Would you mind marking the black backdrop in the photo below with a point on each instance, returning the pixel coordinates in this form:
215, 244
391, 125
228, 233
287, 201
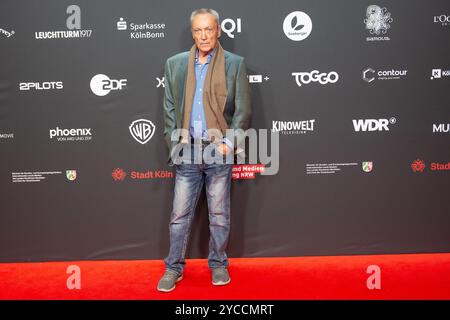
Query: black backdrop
401, 205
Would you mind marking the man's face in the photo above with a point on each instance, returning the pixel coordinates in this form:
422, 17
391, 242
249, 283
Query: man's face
205, 32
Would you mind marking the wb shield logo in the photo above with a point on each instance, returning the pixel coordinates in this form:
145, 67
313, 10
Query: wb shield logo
142, 130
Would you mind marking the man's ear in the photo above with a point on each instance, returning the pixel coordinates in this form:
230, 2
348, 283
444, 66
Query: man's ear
219, 31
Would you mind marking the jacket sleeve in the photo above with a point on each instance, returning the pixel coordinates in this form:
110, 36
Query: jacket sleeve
169, 106
242, 112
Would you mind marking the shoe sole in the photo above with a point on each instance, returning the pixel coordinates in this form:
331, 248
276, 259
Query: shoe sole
221, 283
171, 289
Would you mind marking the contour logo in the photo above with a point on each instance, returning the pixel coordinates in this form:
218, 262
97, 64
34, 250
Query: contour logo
367, 75
101, 84
297, 26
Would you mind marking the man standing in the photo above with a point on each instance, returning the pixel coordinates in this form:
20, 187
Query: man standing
206, 93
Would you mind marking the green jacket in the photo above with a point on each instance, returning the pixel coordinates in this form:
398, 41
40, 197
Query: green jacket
237, 110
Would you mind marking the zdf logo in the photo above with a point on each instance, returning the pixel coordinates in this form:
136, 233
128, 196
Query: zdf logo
101, 84
315, 76
229, 26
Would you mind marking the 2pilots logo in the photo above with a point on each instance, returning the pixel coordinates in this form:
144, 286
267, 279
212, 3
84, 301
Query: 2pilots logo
46, 85
101, 84
297, 26
315, 76
142, 130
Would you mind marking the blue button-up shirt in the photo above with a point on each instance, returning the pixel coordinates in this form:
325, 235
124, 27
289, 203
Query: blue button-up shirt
198, 128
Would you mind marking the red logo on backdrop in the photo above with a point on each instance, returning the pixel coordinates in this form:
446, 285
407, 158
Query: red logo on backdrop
118, 174
418, 165
246, 171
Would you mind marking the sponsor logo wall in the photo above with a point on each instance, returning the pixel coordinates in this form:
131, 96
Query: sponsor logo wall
358, 100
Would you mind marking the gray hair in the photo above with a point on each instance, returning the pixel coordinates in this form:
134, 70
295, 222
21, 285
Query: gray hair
203, 11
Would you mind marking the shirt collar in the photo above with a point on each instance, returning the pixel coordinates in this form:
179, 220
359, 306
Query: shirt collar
209, 55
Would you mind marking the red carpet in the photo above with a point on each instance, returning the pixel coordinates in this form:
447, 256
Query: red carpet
408, 276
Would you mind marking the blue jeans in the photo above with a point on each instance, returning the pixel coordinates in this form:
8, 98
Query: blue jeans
189, 180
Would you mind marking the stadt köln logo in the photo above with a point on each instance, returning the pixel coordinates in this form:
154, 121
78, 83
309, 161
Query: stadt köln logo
418, 165
142, 130
118, 174
367, 166
71, 174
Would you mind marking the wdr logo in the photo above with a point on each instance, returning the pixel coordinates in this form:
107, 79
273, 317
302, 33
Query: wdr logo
373, 124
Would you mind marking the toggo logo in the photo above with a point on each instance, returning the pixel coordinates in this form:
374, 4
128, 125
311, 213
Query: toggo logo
315, 76
101, 84
46, 85
373, 124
